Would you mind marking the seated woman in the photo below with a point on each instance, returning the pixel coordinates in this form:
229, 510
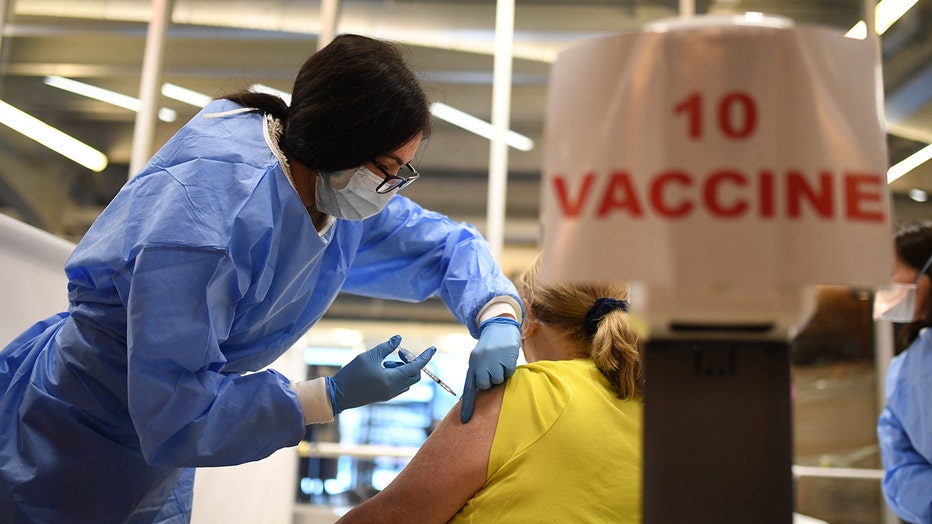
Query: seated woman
558, 442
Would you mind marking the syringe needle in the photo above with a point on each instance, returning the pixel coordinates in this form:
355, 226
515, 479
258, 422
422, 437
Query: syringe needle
407, 356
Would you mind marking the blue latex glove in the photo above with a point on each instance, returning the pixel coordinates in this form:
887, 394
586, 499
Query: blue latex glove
492, 361
365, 380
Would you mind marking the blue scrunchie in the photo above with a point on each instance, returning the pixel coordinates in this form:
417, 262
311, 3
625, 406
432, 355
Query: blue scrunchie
599, 309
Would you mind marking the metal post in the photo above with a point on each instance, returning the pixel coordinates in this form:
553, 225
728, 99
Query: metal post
717, 430
149, 85
883, 354
6, 7
501, 115
687, 8
883, 331
329, 11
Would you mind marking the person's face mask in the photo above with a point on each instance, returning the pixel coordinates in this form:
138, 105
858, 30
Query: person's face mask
350, 194
897, 302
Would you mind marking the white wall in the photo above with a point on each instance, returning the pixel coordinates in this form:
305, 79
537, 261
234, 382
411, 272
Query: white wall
260, 492
32, 276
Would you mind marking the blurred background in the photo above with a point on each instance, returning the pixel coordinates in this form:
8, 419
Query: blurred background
58, 57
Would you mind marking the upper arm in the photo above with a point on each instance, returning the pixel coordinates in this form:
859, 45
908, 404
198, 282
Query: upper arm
405, 242
450, 467
908, 475
180, 307
176, 314
432, 256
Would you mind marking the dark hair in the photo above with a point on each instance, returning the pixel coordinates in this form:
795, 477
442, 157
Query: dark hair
913, 245
614, 346
352, 101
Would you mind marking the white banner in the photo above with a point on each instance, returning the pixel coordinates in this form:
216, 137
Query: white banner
717, 156
32, 276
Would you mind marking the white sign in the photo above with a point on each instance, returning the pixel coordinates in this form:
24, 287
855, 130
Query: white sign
717, 156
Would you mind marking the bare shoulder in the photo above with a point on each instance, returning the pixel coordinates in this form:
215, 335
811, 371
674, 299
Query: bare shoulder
448, 469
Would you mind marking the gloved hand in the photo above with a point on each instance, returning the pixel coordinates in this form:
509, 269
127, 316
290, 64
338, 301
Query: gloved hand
493, 359
365, 380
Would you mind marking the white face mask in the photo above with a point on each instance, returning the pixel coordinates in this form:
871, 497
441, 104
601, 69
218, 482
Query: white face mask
350, 194
895, 302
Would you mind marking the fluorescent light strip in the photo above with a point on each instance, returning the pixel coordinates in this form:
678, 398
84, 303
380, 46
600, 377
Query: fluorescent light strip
441, 111
889, 11
885, 14
909, 163
858, 31
185, 95
105, 95
261, 88
482, 128
52, 138
478, 126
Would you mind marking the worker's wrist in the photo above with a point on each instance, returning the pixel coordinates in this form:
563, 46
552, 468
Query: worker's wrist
499, 306
501, 320
314, 400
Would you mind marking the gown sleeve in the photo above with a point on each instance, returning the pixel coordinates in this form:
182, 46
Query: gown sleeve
907, 483
180, 307
410, 253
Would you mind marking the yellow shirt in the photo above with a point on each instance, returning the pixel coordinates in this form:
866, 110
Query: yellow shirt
566, 450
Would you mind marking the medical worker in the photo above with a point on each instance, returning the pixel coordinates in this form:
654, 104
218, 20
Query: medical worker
212, 261
904, 428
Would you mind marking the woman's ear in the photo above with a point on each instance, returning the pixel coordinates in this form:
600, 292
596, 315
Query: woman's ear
530, 324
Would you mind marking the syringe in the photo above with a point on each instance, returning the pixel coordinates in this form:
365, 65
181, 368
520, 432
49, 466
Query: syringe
407, 356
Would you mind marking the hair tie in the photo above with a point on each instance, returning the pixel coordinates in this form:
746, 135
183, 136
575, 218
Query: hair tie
599, 309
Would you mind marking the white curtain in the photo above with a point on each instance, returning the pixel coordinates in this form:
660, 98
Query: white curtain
260, 492
32, 276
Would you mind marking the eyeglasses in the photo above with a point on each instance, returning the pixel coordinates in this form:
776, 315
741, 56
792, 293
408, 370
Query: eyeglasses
393, 182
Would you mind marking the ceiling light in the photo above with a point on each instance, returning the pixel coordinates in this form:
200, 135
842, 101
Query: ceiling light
918, 195
859, 31
885, 14
52, 138
260, 88
105, 95
889, 11
185, 95
478, 126
909, 163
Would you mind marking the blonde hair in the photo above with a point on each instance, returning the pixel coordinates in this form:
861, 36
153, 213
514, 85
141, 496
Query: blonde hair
613, 347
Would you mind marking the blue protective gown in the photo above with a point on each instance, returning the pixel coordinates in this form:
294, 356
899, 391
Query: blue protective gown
904, 431
205, 266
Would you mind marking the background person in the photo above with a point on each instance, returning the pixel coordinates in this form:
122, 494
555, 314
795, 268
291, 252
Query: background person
225, 248
904, 428
559, 442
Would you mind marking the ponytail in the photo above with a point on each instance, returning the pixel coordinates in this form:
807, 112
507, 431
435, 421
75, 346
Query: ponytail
595, 319
264, 102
